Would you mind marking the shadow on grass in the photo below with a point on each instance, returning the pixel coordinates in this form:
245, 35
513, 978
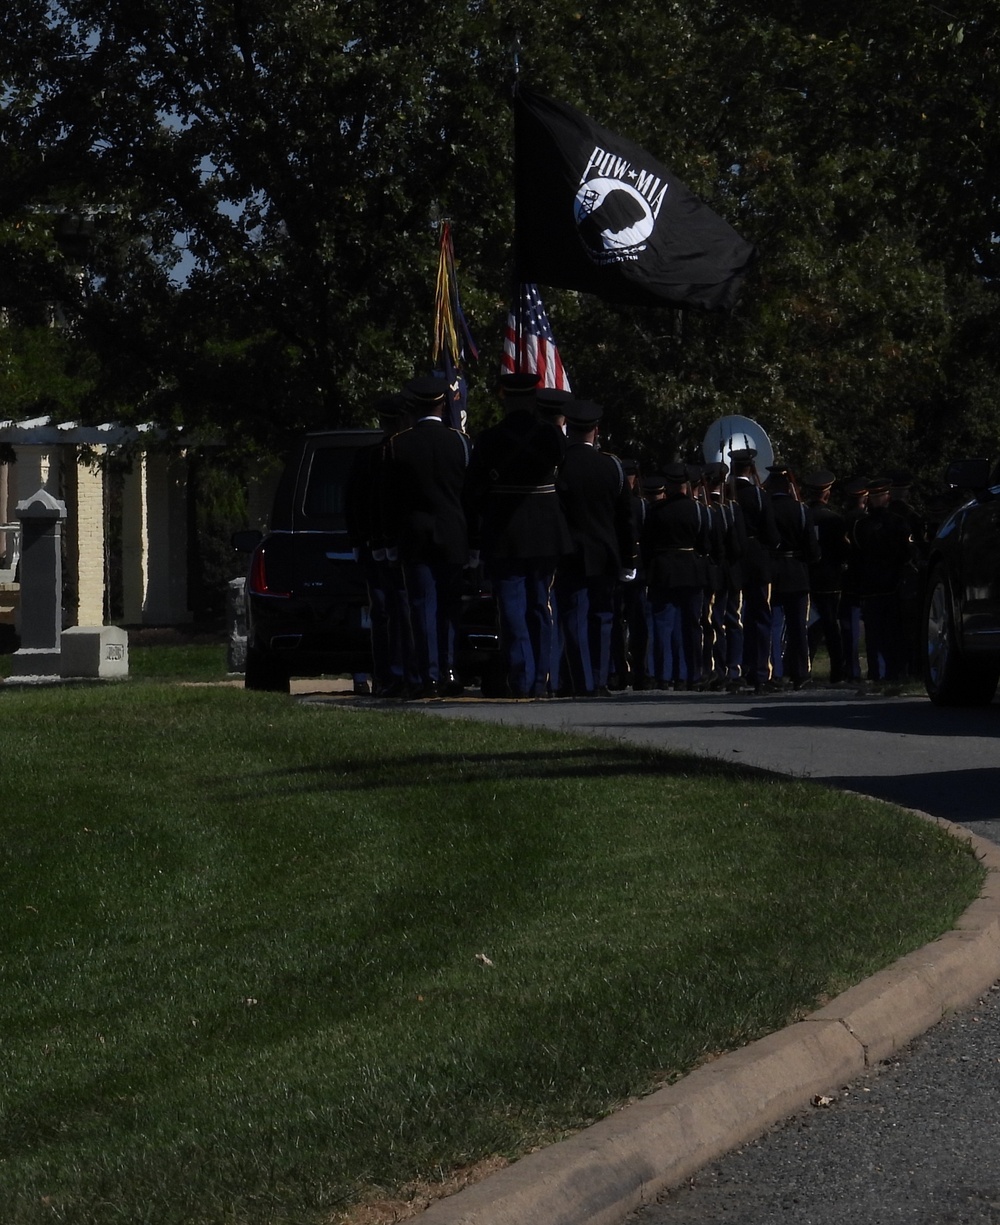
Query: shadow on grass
439, 769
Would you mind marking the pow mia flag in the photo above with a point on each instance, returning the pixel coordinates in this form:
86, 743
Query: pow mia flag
593, 211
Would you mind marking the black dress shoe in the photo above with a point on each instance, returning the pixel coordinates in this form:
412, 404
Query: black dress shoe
419, 693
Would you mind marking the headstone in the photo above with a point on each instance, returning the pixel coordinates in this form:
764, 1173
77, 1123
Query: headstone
99, 651
236, 610
41, 519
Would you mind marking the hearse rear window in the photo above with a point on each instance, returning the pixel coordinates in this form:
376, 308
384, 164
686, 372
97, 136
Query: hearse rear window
327, 484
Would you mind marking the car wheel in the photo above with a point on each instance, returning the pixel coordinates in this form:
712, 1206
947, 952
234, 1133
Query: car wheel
264, 673
950, 678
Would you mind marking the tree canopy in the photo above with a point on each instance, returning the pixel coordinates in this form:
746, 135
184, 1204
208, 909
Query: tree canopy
264, 180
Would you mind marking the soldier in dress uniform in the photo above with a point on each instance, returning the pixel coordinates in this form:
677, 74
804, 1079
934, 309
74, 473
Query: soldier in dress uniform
551, 405
911, 587
722, 624
630, 635
676, 545
426, 529
760, 538
516, 520
856, 504
826, 576
883, 546
392, 637
596, 501
796, 551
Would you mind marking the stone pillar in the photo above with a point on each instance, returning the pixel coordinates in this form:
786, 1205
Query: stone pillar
134, 543
9, 547
41, 519
4, 496
6, 517
90, 543
154, 541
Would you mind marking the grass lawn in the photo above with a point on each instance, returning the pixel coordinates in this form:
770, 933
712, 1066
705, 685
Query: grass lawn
265, 959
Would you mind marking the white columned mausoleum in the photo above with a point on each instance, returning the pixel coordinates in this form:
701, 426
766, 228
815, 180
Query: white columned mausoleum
72, 462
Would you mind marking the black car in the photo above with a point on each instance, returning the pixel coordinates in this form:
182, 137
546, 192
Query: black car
306, 599
962, 595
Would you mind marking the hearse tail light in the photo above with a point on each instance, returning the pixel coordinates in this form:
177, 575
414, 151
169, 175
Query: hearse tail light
257, 580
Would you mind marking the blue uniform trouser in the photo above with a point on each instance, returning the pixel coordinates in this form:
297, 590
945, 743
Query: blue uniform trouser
630, 635
733, 621
522, 587
849, 616
681, 606
756, 632
884, 636
777, 656
586, 614
795, 613
713, 628
435, 597
664, 666
389, 611
826, 627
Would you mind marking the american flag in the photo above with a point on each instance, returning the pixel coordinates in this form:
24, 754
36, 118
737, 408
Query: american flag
528, 344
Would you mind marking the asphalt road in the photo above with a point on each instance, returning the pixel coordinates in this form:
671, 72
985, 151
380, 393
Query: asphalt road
918, 1140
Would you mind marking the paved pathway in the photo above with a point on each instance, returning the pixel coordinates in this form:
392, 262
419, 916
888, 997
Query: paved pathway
918, 1140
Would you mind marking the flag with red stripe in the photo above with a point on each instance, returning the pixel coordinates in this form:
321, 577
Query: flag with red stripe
528, 344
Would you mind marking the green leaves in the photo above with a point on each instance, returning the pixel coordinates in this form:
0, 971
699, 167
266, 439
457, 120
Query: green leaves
298, 153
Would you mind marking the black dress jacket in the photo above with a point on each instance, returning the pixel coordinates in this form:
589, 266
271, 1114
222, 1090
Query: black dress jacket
424, 480
511, 504
677, 543
597, 503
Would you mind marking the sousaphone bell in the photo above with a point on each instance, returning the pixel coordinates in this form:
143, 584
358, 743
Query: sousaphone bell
735, 433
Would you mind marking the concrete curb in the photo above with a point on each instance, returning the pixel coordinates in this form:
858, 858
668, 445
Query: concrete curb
623, 1162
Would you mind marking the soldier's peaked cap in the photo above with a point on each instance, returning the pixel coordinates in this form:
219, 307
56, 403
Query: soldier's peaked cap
391, 404
426, 392
518, 384
552, 399
744, 456
583, 412
818, 478
676, 474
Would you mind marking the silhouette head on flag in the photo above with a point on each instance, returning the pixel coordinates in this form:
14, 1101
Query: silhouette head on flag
595, 212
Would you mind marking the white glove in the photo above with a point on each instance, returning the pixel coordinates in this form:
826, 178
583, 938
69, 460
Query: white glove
392, 553
626, 576
378, 554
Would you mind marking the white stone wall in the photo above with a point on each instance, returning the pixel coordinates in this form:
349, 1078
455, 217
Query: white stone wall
90, 543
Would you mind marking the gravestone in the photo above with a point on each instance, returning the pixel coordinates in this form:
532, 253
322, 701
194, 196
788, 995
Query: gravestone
41, 517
